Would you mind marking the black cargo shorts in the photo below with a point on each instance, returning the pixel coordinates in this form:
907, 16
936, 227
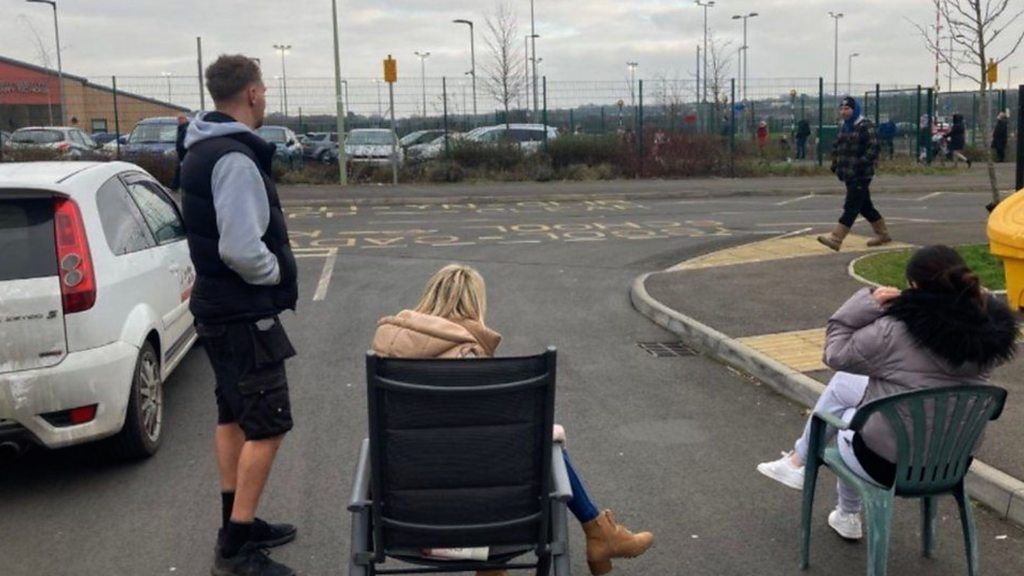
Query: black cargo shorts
248, 363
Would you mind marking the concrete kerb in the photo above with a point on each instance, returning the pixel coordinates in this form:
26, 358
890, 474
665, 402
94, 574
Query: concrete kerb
999, 491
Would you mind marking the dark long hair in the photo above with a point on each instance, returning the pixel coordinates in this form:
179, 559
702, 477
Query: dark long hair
939, 269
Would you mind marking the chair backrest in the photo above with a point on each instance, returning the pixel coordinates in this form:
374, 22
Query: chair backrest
936, 431
460, 451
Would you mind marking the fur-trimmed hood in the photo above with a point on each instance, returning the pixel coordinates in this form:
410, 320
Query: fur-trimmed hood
957, 331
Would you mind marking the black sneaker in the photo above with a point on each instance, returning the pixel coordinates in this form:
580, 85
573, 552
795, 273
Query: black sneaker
270, 535
251, 560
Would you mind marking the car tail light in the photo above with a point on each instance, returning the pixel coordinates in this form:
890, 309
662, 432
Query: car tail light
83, 414
74, 261
63, 147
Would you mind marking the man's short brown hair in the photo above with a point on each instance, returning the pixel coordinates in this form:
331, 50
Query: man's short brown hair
229, 75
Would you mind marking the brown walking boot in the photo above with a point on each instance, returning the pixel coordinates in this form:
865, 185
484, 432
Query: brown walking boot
881, 233
606, 540
834, 239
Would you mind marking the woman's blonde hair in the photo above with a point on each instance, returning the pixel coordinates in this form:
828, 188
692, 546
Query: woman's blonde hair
455, 292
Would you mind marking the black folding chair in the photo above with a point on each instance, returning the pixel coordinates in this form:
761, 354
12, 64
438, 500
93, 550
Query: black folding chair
460, 455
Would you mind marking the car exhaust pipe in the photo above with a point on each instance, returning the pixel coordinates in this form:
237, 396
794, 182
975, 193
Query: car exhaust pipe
11, 450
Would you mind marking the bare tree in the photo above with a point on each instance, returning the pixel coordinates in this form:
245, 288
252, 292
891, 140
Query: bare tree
975, 25
718, 75
504, 72
43, 54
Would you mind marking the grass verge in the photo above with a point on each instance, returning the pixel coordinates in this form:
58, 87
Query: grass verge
888, 268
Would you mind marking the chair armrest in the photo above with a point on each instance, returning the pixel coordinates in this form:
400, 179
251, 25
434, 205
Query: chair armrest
360, 499
561, 489
831, 420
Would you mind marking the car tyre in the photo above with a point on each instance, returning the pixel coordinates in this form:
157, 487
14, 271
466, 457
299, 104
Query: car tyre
143, 422
325, 157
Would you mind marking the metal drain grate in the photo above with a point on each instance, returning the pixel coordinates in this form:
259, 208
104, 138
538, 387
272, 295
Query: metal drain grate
666, 349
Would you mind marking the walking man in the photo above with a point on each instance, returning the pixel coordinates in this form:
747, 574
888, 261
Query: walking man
853, 160
245, 277
999, 137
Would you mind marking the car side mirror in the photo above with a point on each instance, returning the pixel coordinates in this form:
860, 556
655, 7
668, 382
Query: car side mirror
291, 142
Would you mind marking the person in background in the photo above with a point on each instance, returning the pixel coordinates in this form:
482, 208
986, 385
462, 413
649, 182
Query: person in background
887, 134
958, 141
803, 131
762, 139
854, 155
180, 150
448, 322
1000, 135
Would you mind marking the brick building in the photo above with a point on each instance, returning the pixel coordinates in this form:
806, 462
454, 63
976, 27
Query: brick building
30, 96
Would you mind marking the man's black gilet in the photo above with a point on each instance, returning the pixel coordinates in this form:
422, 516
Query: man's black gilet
220, 295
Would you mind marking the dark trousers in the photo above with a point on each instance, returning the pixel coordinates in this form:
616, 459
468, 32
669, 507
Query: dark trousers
858, 201
801, 148
1000, 153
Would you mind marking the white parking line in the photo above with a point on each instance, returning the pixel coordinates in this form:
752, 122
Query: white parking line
784, 202
325, 277
929, 196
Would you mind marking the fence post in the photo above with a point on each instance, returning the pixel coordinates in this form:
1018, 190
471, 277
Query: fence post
545, 117
821, 120
444, 92
117, 119
199, 63
640, 126
1020, 137
732, 127
974, 116
931, 122
878, 104
572, 122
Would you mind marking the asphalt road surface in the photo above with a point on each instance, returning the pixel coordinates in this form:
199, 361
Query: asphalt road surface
670, 444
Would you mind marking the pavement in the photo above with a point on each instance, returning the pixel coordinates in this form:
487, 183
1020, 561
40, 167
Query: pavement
761, 308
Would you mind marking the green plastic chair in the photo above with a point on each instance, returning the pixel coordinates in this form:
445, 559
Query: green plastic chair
928, 465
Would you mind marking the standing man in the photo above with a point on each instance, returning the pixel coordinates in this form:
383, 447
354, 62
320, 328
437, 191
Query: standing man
999, 137
854, 155
245, 277
887, 132
803, 131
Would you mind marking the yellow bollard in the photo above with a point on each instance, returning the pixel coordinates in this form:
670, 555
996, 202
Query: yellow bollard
1006, 241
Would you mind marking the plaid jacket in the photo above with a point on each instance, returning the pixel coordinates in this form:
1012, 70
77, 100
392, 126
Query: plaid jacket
855, 154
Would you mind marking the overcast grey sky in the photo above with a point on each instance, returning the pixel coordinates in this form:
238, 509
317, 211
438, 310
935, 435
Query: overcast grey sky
580, 39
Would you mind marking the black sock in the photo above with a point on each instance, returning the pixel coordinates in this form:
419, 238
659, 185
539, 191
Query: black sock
236, 534
227, 502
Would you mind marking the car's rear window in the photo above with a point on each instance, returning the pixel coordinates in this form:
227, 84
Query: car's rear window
37, 137
154, 134
26, 239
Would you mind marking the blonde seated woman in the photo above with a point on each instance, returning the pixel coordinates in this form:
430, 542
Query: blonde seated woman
449, 323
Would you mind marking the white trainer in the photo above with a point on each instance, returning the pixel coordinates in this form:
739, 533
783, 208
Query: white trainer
783, 471
847, 525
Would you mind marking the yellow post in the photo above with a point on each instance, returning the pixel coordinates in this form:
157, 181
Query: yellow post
1006, 241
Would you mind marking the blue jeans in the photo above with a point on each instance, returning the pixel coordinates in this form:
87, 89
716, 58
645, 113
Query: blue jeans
581, 507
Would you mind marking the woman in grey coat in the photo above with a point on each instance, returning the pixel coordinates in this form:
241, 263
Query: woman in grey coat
944, 330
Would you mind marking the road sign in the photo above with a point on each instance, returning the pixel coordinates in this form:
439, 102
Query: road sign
993, 72
390, 70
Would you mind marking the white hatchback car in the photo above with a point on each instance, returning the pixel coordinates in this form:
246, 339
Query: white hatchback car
95, 282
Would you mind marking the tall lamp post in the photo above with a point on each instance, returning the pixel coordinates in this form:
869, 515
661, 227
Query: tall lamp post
705, 5
342, 157
423, 77
60, 66
849, 71
283, 49
745, 48
526, 63
472, 57
632, 83
835, 66
533, 37
168, 75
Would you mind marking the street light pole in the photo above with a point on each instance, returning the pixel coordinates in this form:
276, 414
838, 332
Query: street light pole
705, 5
632, 83
423, 77
472, 57
745, 48
533, 37
60, 66
339, 103
167, 75
849, 71
380, 106
835, 67
283, 49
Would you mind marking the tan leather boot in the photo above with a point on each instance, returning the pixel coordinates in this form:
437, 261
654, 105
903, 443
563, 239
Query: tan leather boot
834, 239
606, 540
881, 233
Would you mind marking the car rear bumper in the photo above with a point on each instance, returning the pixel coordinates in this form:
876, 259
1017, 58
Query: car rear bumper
100, 376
